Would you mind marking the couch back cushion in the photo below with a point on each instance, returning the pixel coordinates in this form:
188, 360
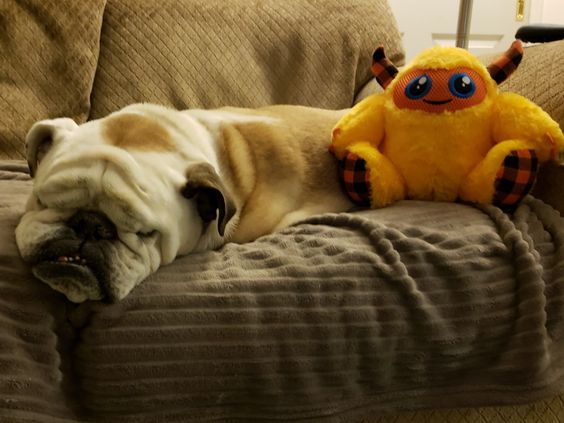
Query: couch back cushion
211, 53
49, 55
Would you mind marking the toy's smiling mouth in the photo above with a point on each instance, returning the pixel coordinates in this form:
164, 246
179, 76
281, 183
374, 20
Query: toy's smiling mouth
438, 102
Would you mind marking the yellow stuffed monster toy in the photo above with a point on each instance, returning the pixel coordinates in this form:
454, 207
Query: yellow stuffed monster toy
443, 131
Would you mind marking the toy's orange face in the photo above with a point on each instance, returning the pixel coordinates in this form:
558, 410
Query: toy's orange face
439, 90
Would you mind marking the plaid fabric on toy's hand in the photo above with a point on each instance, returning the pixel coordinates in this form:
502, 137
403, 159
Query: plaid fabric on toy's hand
515, 178
355, 178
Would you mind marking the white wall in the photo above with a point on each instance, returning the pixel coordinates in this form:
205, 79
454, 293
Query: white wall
547, 11
424, 23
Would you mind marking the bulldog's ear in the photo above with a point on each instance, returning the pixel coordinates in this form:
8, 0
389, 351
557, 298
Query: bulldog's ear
204, 185
41, 138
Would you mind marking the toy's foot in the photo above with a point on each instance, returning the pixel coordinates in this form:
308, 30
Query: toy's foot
370, 179
503, 178
515, 178
355, 178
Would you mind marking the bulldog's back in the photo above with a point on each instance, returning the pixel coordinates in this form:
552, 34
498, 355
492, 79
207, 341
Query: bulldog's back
280, 163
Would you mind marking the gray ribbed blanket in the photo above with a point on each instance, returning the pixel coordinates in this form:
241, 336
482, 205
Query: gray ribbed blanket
338, 318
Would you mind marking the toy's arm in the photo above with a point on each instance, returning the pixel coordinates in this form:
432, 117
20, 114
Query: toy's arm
364, 123
517, 118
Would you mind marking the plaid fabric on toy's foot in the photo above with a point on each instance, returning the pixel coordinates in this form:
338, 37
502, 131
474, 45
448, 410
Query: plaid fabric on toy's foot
515, 178
355, 179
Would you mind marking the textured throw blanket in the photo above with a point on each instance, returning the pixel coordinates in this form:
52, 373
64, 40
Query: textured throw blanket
339, 318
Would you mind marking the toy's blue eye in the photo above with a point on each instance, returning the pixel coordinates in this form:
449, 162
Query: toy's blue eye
418, 87
461, 85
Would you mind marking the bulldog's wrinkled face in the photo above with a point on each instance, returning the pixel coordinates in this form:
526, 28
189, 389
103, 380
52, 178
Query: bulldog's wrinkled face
115, 198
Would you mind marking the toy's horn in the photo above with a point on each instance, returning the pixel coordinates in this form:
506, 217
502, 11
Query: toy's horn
501, 68
383, 69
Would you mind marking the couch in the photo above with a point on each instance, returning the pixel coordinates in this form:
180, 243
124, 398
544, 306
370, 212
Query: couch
420, 312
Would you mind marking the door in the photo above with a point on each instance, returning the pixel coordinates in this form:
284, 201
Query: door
493, 23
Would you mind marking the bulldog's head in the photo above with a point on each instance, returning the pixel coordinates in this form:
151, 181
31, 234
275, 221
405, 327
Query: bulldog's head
115, 198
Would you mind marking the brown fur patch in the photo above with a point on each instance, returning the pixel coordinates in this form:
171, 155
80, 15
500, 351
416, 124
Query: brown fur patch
133, 131
281, 170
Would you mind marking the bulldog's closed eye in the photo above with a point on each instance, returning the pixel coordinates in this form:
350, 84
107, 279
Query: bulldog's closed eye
205, 187
148, 234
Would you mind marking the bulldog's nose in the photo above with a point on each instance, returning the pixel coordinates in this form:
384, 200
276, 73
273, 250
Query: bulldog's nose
92, 225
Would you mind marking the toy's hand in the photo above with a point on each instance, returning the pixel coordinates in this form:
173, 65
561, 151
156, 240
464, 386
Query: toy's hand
504, 176
369, 177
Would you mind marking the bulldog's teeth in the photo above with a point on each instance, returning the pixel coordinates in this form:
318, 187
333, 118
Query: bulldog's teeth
73, 259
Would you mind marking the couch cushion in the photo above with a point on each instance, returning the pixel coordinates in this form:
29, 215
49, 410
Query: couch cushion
202, 53
49, 53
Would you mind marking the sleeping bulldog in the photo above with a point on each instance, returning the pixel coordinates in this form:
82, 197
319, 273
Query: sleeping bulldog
115, 198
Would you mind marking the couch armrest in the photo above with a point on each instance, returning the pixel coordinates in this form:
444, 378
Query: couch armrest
540, 78
540, 33
550, 186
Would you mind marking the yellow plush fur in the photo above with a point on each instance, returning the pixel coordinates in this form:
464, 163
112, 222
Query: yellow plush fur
443, 156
